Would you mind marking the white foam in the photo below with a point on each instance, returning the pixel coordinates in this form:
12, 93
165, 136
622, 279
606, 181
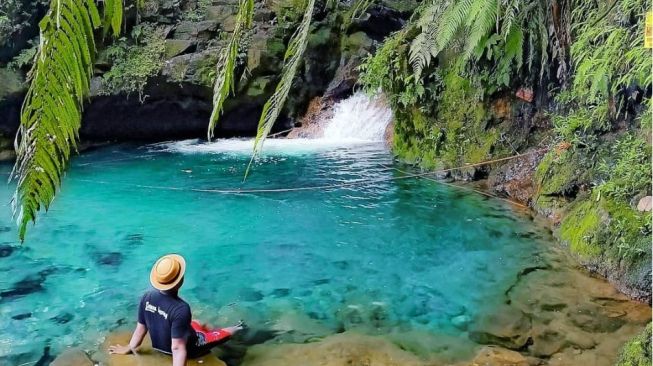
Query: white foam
246, 146
360, 117
358, 120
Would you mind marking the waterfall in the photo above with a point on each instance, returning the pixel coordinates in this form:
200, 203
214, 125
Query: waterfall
358, 117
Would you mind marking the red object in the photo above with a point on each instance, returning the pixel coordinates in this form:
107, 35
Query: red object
525, 94
210, 335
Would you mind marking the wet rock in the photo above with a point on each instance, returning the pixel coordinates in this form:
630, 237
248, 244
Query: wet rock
591, 319
497, 356
296, 327
515, 178
72, 357
508, 327
337, 350
547, 343
6, 250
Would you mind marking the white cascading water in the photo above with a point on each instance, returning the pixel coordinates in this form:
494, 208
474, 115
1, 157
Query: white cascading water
358, 117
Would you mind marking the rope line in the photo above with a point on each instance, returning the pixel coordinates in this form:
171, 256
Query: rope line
324, 187
487, 194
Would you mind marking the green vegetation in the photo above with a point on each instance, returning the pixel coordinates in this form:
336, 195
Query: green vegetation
224, 82
467, 56
67, 52
637, 352
134, 62
292, 58
628, 172
198, 12
52, 111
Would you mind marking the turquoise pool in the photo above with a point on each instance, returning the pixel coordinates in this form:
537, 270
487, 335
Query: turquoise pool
392, 255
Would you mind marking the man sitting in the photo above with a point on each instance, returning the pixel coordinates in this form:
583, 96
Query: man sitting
167, 317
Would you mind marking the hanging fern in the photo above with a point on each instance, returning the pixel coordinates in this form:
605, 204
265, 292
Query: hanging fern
292, 59
52, 110
224, 81
472, 23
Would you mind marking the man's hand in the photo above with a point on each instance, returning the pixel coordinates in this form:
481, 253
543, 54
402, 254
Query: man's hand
119, 350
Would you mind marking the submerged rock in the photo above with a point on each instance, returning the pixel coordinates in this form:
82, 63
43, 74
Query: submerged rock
497, 356
338, 350
6, 250
72, 357
507, 326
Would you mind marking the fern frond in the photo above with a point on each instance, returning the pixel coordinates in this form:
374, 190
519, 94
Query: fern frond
422, 46
52, 110
224, 81
481, 18
292, 59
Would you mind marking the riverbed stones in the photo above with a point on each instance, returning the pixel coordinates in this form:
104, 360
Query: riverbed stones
592, 319
507, 326
338, 350
497, 356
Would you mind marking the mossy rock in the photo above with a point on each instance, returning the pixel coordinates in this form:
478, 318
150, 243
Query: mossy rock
602, 226
176, 47
637, 352
558, 174
581, 227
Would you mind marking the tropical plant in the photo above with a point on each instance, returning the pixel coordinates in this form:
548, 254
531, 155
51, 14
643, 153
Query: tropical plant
52, 109
224, 81
608, 53
500, 30
134, 62
292, 59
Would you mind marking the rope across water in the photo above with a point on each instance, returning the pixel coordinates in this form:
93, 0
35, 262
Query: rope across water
426, 175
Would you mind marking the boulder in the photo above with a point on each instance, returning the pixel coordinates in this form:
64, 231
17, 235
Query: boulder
645, 204
515, 178
497, 356
338, 350
547, 343
196, 31
176, 47
507, 326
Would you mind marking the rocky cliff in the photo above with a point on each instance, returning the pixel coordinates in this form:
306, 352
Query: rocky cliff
155, 82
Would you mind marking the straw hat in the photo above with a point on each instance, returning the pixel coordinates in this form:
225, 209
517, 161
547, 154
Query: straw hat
168, 271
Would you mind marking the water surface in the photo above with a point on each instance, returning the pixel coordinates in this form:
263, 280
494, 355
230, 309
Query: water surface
388, 256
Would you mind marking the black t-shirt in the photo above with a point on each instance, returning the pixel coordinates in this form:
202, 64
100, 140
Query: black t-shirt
166, 316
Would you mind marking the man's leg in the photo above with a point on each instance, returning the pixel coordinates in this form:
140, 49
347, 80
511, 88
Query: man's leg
212, 337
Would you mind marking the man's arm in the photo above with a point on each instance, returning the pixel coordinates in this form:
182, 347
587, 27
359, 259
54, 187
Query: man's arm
137, 339
178, 346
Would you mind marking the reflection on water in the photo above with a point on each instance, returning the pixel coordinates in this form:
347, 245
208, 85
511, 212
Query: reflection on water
393, 257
